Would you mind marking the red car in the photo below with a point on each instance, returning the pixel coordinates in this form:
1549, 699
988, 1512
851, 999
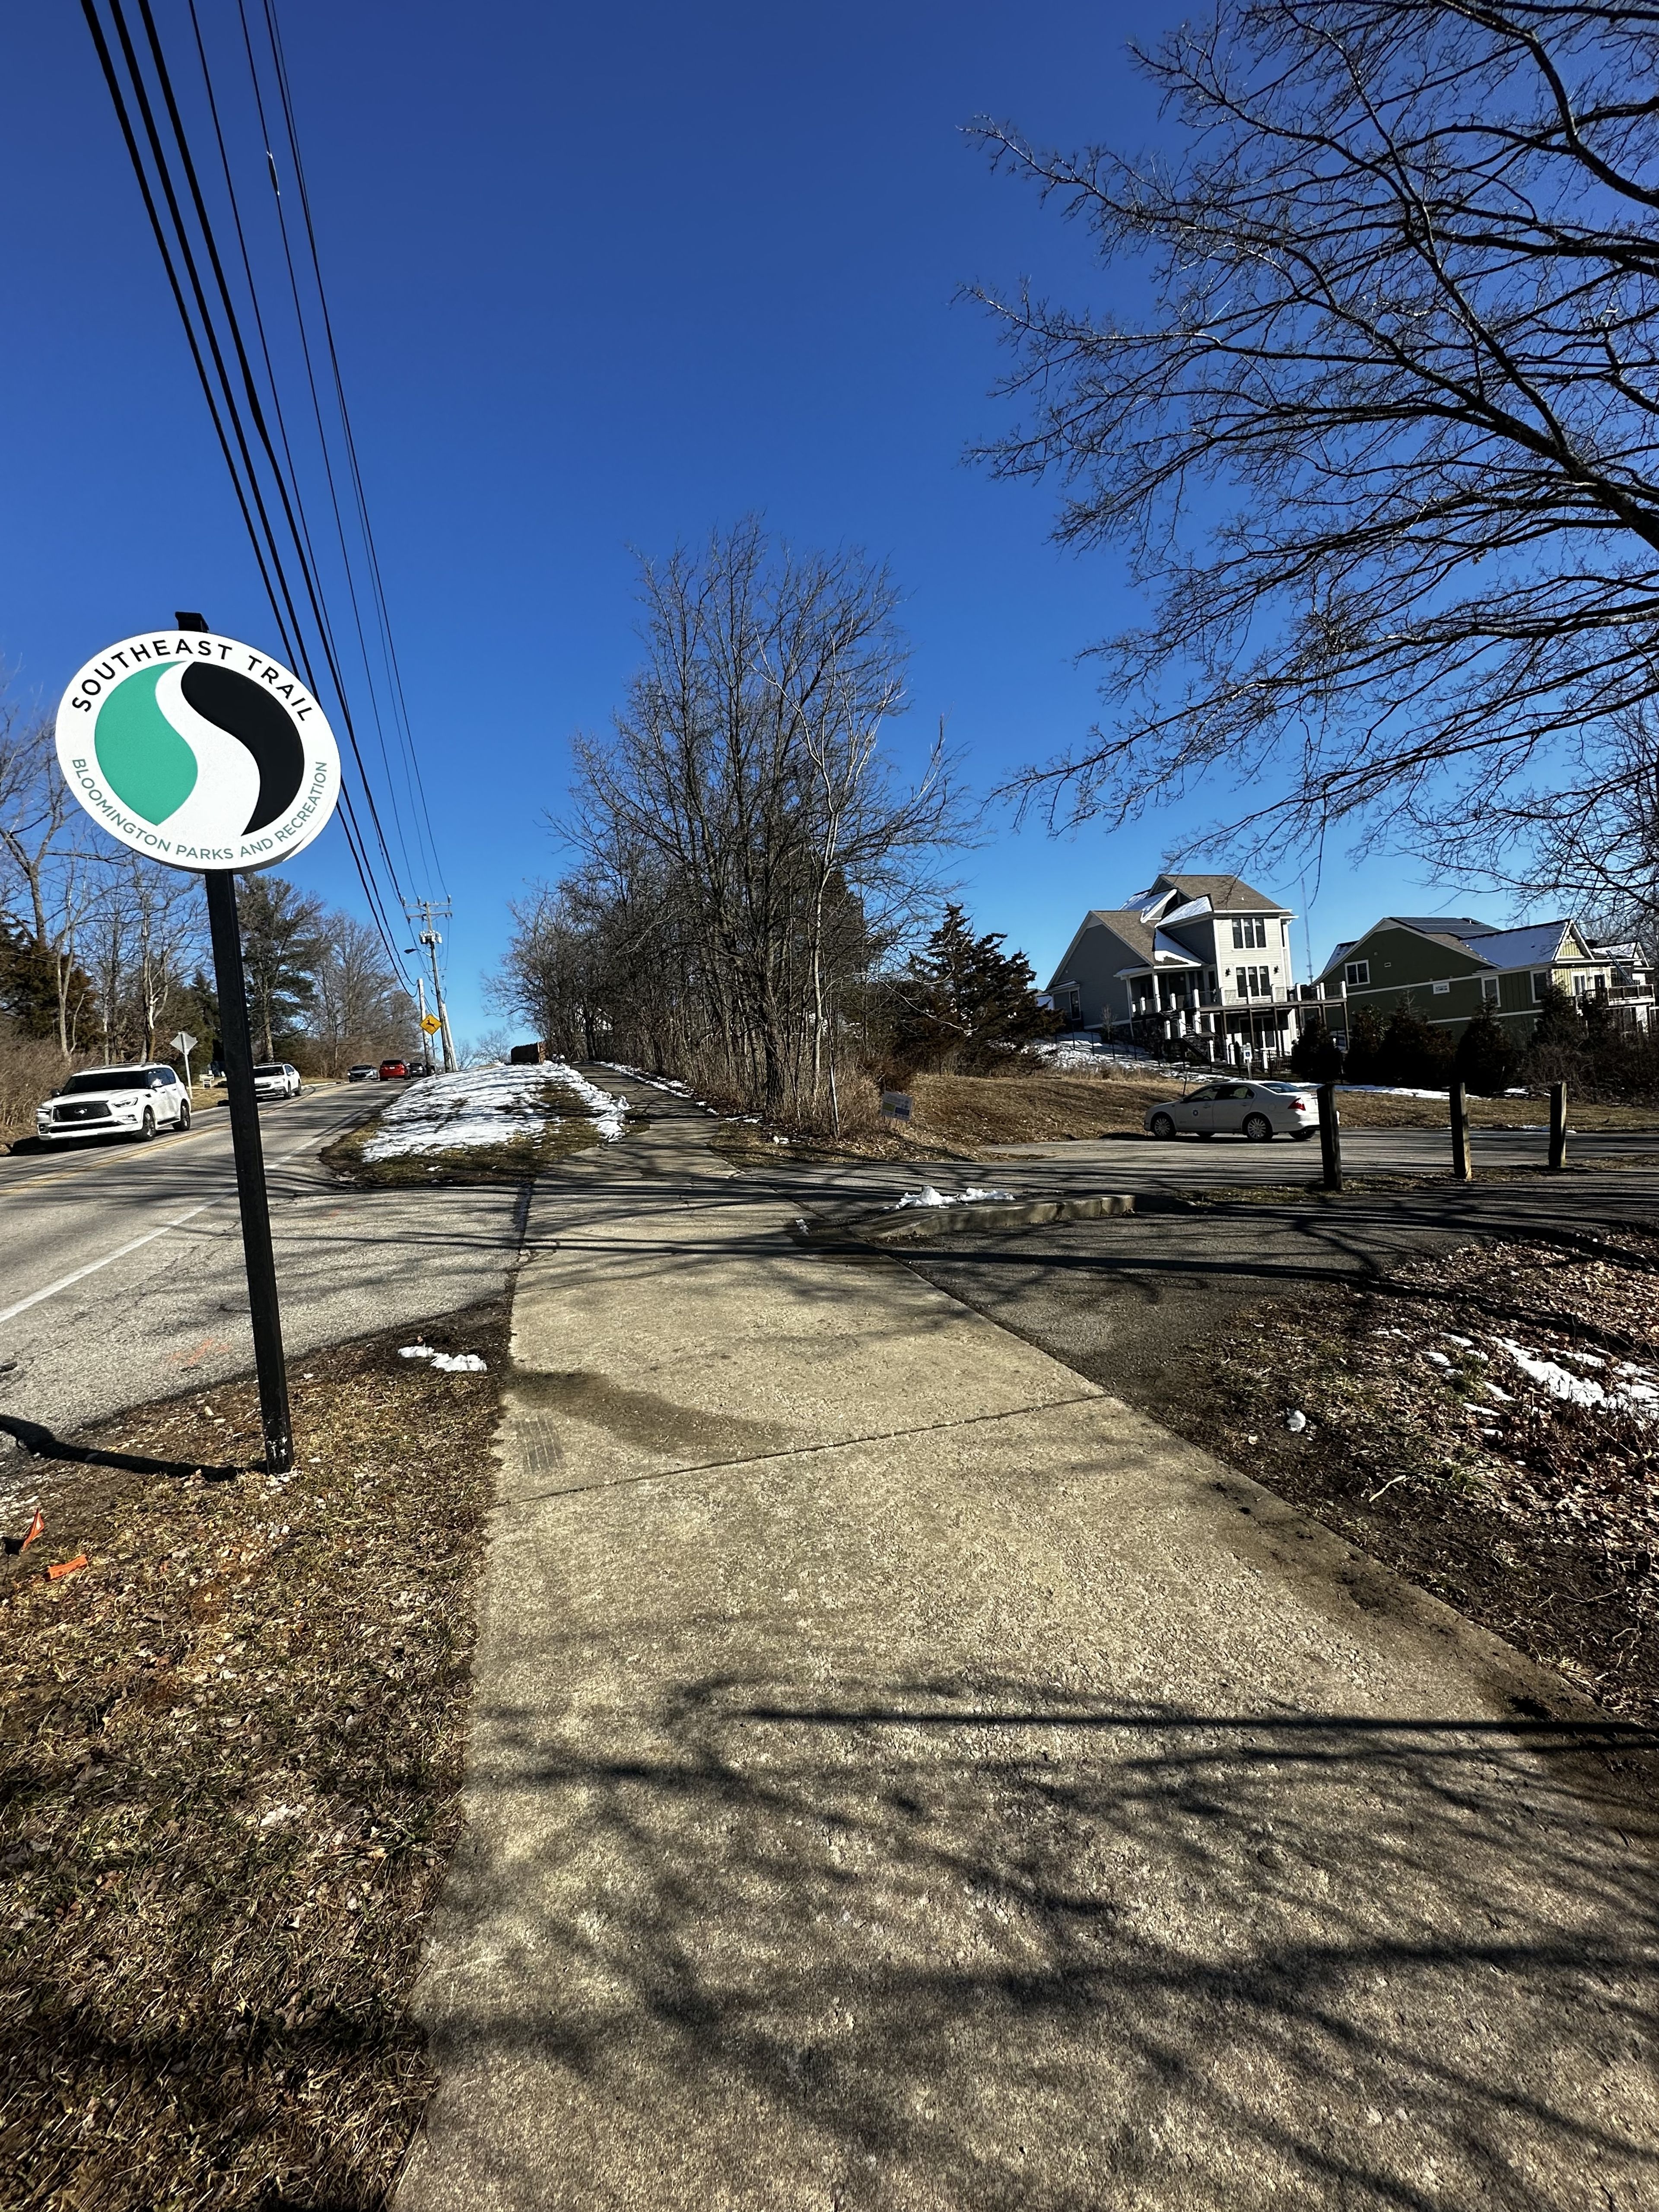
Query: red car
389, 1069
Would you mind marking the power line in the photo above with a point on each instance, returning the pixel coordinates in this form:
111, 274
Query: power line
296, 531
226, 408
413, 755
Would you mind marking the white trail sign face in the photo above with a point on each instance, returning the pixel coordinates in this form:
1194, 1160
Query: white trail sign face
198, 750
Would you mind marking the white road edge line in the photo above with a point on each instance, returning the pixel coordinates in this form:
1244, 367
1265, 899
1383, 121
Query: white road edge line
67, 1282
9, 1313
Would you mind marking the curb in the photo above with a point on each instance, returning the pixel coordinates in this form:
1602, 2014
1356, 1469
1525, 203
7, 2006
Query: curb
914, 1222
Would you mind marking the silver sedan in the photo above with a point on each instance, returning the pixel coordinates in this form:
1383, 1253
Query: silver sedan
1260, 1111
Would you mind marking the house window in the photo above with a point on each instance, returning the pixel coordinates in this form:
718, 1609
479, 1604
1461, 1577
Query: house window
1253, 983
1489, 989
1357, 974
1250, 930
1541, 983
1440, 989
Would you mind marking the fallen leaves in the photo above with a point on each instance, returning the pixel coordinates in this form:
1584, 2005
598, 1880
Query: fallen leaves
1531, 1503
252, 1712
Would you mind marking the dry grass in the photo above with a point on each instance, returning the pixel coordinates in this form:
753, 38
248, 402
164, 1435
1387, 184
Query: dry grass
31, 1069
1534, 1516
1365, 1110
967, 1111
231, 1751
958, 1116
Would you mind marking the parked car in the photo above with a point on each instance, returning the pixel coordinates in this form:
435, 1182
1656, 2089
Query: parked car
274, 1078
391, 1069
1260, 1111
363, 1073
115, 1102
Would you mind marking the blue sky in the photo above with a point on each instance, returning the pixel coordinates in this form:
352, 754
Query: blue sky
601, 279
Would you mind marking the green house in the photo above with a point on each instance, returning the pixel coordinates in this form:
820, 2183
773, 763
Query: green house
1449, 965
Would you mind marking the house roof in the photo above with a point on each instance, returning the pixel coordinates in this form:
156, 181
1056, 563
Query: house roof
1127, 926
1529, 947
1165, 953
1445, 925
1225, 894
1522, 948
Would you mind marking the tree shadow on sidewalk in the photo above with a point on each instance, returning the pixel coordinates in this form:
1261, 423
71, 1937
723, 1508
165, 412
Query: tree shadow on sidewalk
788, 1937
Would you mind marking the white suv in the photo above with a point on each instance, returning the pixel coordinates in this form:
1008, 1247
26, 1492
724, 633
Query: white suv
274, 1078
115, 1102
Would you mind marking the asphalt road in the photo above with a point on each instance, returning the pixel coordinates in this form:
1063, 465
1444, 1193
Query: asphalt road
121, 1276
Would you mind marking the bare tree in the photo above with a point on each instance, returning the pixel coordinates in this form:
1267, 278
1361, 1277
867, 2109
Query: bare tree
45, 876
739, 825
746, 853
1384, 447
144, 931
359, 1010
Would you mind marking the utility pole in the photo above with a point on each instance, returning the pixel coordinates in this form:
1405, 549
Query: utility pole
426, 912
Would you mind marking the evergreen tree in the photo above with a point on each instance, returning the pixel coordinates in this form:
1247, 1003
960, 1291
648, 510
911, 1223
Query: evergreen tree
1365, 1055
1413, 1055
282, 946
964, 1003
1555, 1048
29, 984
1487, 1058
1314, 1055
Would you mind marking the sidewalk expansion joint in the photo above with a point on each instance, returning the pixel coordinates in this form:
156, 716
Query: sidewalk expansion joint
802, 1451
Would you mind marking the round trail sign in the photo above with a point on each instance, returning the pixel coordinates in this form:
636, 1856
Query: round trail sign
198, 750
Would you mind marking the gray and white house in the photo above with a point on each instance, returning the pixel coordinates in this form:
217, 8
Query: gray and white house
1195, 961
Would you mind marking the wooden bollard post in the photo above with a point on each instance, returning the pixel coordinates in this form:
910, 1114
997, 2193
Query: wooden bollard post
1558, 1125
1460, 1129
1330, 1137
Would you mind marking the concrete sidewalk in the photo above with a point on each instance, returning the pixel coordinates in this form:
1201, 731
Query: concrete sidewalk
903, 1776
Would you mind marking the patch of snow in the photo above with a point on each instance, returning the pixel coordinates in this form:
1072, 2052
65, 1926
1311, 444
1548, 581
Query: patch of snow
1295, 1422
482, 1106
928, 1196
448, 1362
1463, 1343
1639, 1398
1069, 1052
1391, 1090
1438, 1358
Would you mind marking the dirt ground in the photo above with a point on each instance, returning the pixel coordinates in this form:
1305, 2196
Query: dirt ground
231, 1745
1487, 1423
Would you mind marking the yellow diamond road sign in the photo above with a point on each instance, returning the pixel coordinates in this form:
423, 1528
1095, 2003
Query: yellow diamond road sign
431, 1024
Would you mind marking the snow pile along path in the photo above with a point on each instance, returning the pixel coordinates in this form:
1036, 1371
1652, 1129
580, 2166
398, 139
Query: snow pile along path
928, 1196
485, 1106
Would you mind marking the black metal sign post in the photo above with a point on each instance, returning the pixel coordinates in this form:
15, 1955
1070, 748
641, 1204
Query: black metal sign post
252, 1197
